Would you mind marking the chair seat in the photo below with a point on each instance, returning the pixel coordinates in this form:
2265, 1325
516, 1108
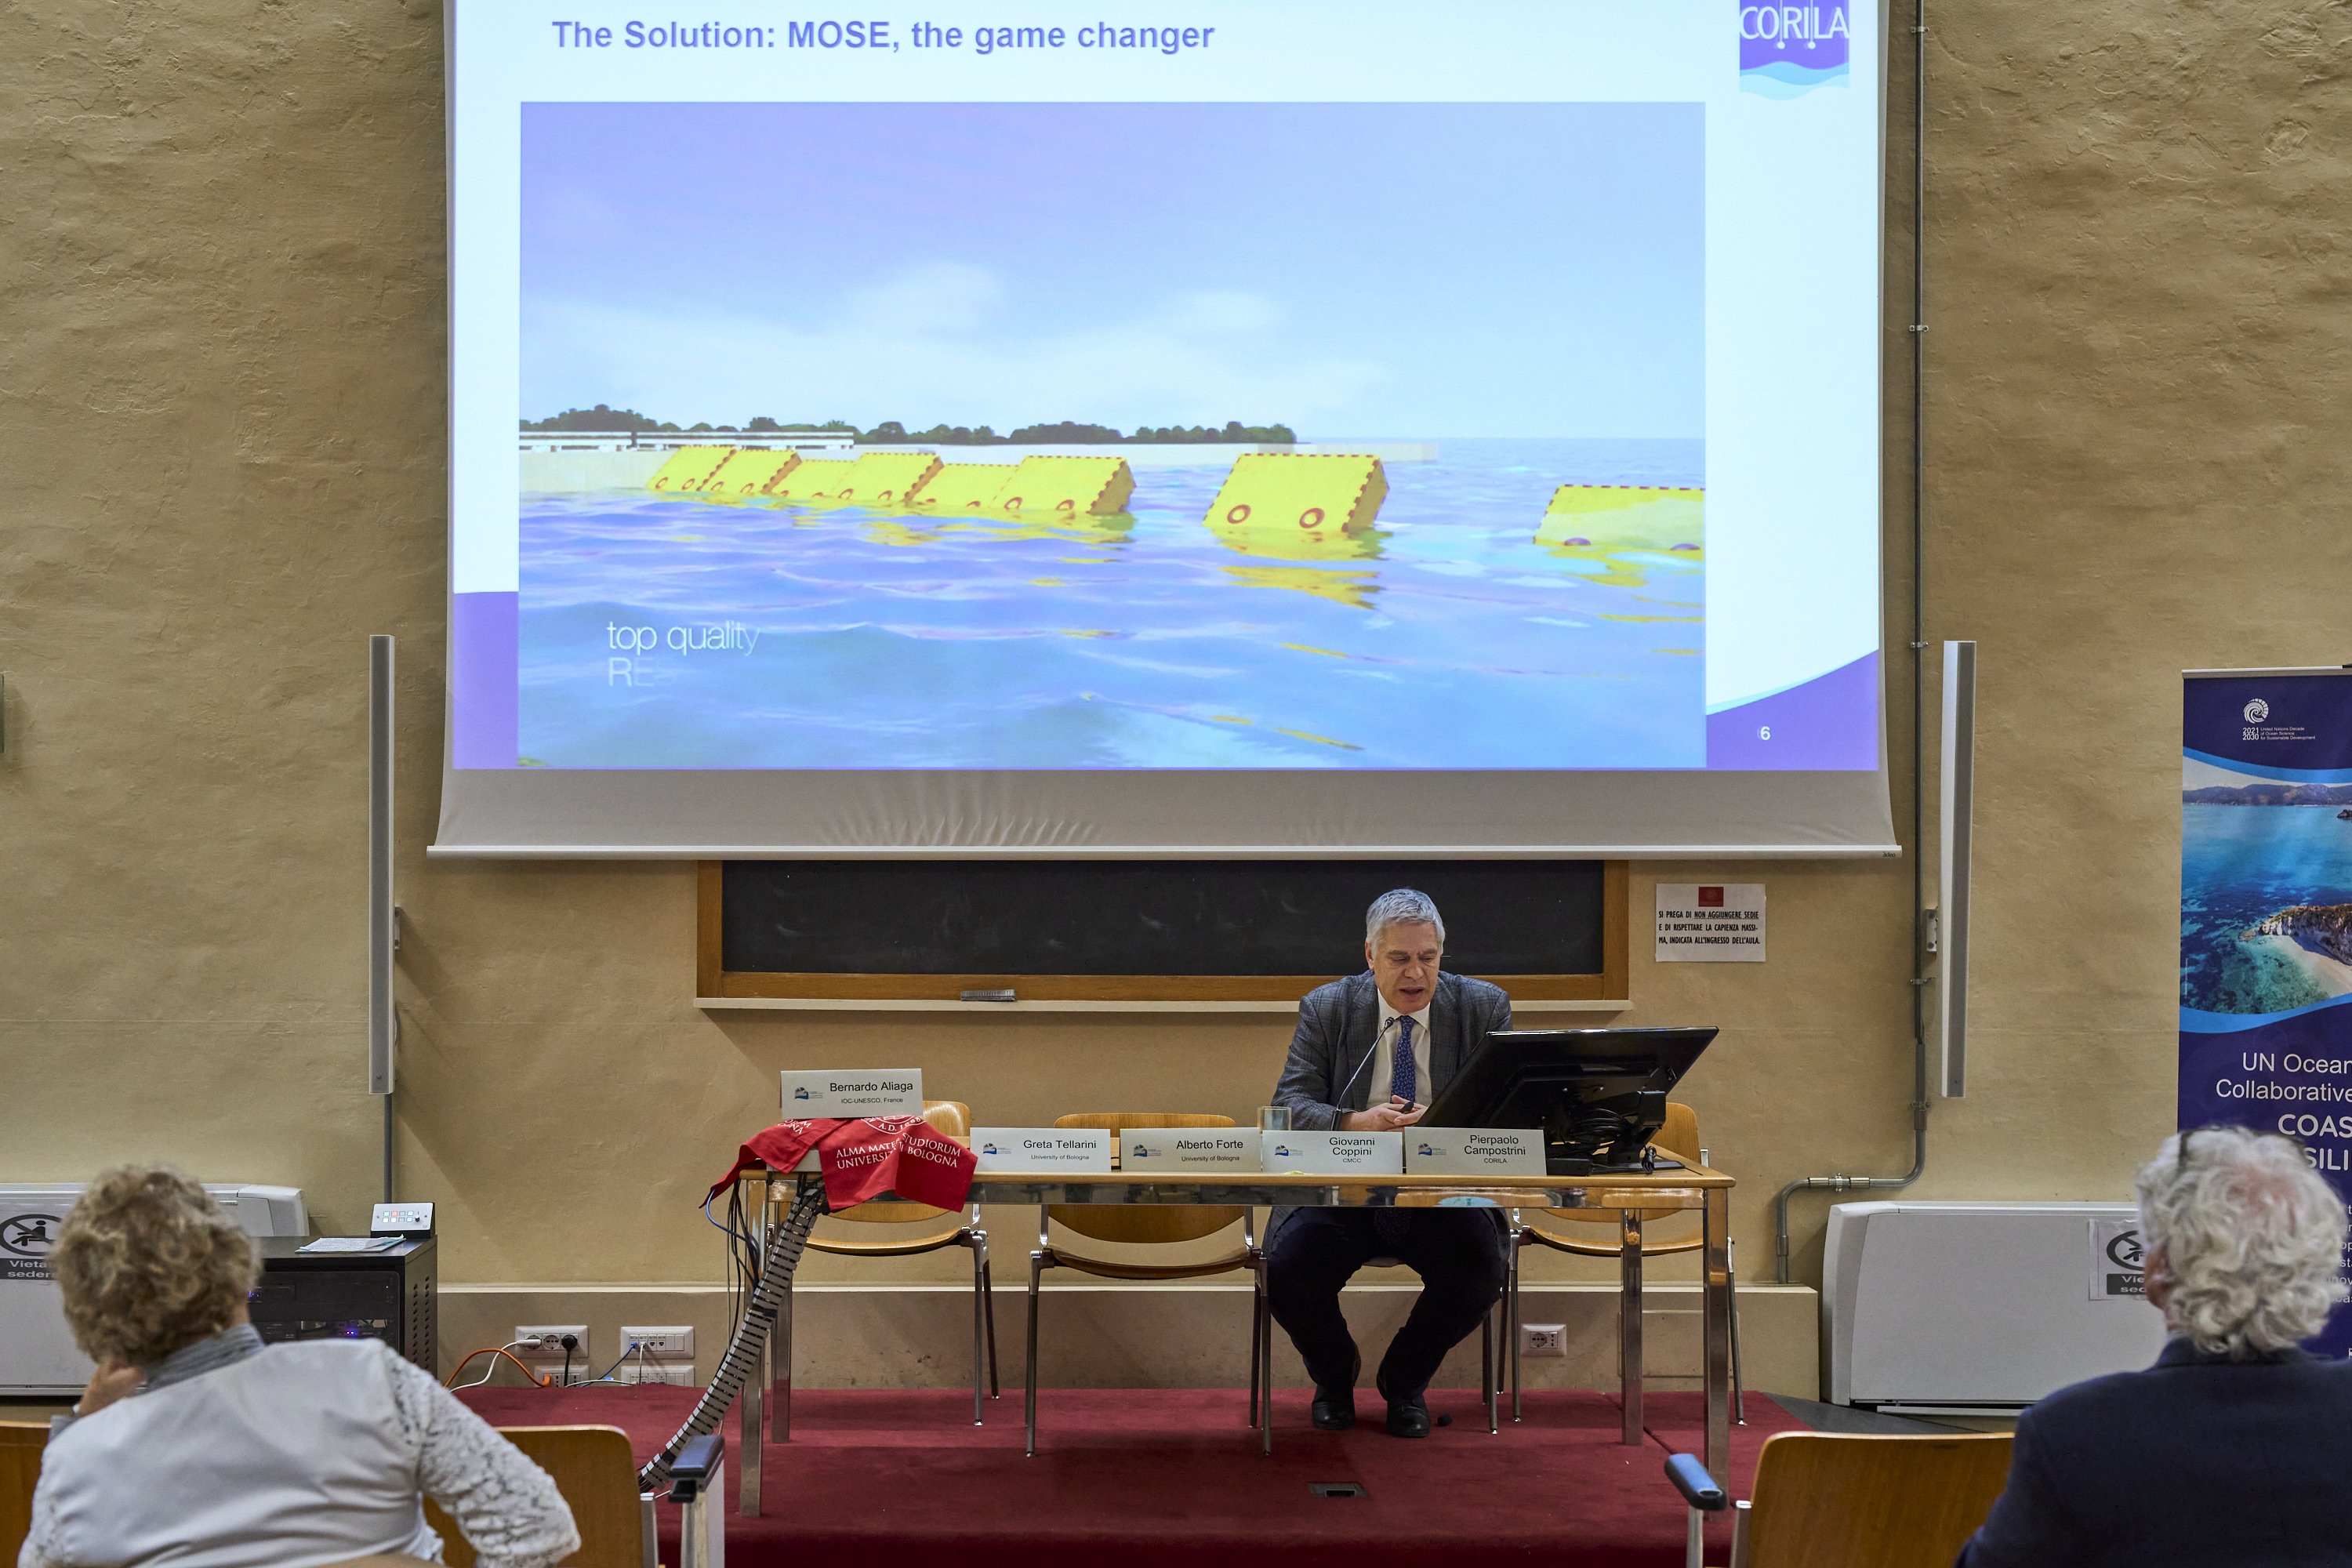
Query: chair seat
888, 1248
1107, 1269
1558, 1243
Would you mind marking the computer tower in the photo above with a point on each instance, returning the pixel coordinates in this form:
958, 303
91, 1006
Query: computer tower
389, 1296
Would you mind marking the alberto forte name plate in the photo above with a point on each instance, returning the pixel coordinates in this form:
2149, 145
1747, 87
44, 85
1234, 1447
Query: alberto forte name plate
1472, 1151
1188, 1148
1333, 1153
882, 1092
1018, 1149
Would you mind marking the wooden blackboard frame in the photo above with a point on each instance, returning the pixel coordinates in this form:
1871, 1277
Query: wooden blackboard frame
716, 985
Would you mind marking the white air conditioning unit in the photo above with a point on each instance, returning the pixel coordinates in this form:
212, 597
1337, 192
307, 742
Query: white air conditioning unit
1952, 1307
37, 1356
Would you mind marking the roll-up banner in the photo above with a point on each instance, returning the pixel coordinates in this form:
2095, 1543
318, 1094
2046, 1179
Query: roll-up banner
2266, 913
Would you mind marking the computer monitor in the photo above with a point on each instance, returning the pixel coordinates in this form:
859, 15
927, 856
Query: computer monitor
1599, 1095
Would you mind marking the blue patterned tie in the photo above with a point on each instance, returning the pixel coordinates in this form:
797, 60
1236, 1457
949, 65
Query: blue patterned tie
1402, 1078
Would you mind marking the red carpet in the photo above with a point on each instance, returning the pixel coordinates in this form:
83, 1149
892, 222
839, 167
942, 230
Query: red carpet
1137, 1477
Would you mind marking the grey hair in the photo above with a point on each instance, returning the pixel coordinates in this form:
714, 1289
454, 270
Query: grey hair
2253, 1239
1401, 906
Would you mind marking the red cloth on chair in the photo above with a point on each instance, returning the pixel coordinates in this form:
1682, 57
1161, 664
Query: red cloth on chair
864, 1157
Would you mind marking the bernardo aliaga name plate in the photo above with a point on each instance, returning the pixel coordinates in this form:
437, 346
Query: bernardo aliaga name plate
1333, 1153
1472, 1151
886, 1091
1188, 1148
1060, 1148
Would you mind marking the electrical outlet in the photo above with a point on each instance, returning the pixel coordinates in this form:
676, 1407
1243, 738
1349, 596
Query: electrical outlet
550, 1345
1543, 1339
663, 1343
634, 1371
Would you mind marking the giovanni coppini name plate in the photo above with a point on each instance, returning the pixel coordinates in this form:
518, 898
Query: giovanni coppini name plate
1472, 1151
1333, 1153
886, 1091
1019, 1149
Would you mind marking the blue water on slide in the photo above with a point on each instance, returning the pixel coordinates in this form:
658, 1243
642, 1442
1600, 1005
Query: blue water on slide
2239, 864
837, 637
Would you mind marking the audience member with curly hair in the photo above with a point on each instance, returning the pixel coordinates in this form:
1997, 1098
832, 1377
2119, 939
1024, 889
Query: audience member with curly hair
2232, 1451
197, 1445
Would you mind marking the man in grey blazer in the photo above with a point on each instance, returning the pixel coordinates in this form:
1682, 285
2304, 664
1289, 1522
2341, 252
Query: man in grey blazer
1370, 1052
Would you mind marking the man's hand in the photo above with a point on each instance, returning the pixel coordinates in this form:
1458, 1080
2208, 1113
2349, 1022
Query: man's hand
1389, 1118
110, 1382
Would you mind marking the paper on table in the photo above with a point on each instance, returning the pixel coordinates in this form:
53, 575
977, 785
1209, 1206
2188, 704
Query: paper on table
352, 1244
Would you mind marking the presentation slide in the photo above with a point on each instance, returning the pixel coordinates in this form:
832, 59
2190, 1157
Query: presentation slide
1414, 392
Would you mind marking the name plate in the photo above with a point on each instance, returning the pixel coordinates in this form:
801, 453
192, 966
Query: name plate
1333, 1153
1023, 1149
1472, 1151
888, 1091
1188, 1148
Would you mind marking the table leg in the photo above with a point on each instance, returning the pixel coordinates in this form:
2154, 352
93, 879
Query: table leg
1715, 1288
1629, 1327
748, 1503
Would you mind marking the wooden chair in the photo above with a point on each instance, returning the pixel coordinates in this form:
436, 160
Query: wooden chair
598, 1476
953, 1119
1826, 1500
21, 1443
1677, 1138
1153, 1225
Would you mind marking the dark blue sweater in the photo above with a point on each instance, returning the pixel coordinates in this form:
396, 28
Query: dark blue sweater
2198, 1461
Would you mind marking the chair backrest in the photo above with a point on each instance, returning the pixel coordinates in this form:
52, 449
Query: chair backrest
1678, 1136
21, 1443
1143, 1223
1826, 1500
598, 1476
950, 1117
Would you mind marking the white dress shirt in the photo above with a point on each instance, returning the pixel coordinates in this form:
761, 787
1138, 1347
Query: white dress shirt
292, 1457
1383, 1068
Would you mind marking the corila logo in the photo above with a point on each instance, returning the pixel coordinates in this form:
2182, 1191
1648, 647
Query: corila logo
1282, 1150
989, 1147
1140, 1153
2257, 710
1425, 1149
799, 1091
1786, 51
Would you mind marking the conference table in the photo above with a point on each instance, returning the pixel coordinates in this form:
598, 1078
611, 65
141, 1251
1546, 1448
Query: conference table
784, 1197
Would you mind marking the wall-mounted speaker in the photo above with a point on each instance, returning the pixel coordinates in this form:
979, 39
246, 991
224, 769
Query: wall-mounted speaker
1957, 824
384, 930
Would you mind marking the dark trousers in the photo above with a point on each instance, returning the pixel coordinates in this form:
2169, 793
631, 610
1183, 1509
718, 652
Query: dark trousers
1458, 1253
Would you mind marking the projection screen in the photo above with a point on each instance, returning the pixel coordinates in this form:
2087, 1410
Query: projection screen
1273, 429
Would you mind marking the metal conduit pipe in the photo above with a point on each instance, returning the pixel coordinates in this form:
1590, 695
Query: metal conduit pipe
780, 1255
1919, 980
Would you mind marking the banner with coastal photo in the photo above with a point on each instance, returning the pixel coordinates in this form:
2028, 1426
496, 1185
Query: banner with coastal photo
2266, 913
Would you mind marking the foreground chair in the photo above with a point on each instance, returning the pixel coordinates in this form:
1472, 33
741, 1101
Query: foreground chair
21, 1443
598, 1476
953, 1119
1678, 1138
1152, 1224
1826, 1500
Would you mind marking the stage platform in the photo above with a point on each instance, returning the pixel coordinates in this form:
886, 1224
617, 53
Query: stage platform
1170, 1476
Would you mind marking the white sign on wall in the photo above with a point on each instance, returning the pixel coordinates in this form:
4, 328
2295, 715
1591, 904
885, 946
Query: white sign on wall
1710, 922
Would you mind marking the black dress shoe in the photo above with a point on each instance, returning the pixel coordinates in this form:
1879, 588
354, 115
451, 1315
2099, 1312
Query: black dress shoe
1334, 1410
1409, 1417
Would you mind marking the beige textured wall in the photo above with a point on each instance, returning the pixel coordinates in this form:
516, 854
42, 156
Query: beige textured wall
221, 406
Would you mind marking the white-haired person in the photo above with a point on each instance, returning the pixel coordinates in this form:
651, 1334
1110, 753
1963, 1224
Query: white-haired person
1368, 1055
2236, 1446
197, 1446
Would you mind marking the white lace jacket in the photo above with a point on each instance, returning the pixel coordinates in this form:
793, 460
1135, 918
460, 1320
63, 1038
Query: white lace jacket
296, 1456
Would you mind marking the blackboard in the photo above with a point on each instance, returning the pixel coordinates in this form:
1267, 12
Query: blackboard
1141, 929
